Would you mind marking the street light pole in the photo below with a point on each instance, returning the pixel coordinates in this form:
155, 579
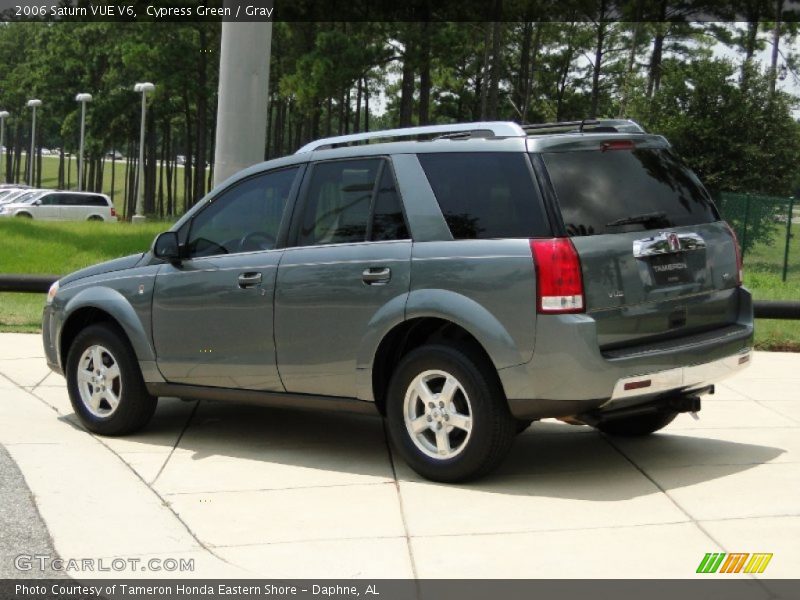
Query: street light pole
83, 99
32, 104
139, 216
3, 115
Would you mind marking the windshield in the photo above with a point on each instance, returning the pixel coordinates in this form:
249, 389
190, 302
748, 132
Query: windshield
27, 198
626, 190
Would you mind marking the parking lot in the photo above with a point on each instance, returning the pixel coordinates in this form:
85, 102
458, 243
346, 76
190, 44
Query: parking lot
254, 492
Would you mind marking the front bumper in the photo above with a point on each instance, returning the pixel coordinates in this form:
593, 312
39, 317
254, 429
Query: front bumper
49, 339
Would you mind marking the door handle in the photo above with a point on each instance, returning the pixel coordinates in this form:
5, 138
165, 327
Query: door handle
376, 275
248, 280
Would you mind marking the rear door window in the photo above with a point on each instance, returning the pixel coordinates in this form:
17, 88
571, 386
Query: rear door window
486, 195
626, 190
351, 201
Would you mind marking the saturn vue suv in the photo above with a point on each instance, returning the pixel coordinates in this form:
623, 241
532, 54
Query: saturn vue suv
460, 280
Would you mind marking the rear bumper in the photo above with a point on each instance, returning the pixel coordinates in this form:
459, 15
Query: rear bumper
569, 374
686, 379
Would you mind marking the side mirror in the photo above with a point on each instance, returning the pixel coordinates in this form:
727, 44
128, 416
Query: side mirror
166, 246
37, 202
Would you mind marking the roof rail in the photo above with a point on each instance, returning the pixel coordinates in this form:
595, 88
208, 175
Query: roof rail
586, 125
493, 128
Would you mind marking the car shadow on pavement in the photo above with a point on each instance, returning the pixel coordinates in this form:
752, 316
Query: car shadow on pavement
550, 459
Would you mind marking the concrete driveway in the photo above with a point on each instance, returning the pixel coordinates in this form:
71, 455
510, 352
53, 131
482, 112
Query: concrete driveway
254, 492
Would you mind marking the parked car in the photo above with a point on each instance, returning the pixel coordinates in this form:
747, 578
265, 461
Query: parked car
115, 155
60, 206
12, 194
462, 287
180, 159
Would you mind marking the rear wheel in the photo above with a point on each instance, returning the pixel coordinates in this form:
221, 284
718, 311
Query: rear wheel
447, 414
94, 218
105, 384
23, 216
639, 425
523, 424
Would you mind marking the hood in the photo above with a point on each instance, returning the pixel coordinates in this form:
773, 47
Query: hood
118, 264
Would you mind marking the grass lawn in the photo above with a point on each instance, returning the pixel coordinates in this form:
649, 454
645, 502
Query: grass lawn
59, 248
763, 266
56, 249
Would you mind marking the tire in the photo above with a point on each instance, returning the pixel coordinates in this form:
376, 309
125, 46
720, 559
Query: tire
92, 396
522, 424
637, 426
23, 216
476, 423
94, 218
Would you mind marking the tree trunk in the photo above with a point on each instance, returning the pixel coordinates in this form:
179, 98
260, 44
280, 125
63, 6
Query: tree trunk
210, 174
188, 188
366, 104
170, 168
201, 121
113, 174
654, 71
347, 112
522, 80
357, 115
493, 106
425, 75
38, 163
61, 169
407, 86
482, 82
776, 40
98, 186
598, 65
631, 64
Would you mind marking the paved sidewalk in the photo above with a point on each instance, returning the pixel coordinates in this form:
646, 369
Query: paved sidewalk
248, 491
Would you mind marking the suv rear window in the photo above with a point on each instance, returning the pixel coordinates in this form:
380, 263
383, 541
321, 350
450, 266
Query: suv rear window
486, 195
596, 189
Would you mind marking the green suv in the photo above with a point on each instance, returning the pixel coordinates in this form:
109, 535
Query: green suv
461, 281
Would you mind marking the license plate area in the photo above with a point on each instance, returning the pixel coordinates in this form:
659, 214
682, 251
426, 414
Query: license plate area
670, 269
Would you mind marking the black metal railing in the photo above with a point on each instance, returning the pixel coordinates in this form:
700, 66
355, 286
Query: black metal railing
39, 284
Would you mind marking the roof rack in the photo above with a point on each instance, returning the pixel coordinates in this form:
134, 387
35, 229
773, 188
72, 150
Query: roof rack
586, 125
480, 129
497, 129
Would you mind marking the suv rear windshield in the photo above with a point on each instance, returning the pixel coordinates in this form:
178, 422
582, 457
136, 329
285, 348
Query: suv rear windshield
626, 190
486, 194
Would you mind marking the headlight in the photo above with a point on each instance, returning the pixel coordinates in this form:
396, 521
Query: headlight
51, 293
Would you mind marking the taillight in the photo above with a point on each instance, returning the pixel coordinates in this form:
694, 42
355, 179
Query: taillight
113, 212
559, 283
739, 264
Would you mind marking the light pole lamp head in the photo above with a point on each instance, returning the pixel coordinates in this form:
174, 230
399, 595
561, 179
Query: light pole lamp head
4, 114
144, 87
83, 98
34, 103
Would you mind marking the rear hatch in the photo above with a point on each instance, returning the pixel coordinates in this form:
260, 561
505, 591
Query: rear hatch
657, 261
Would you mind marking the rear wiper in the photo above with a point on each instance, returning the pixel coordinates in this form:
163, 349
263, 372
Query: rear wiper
636, 219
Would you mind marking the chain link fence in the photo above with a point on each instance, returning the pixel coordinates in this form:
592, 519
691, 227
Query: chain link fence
765, 226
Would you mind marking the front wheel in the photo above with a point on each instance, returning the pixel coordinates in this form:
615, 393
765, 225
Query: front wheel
105, 384
447, 414
639, 425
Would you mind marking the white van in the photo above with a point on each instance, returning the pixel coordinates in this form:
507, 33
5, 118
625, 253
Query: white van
61, 206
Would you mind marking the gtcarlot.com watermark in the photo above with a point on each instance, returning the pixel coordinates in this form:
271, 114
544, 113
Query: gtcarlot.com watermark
45, 562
